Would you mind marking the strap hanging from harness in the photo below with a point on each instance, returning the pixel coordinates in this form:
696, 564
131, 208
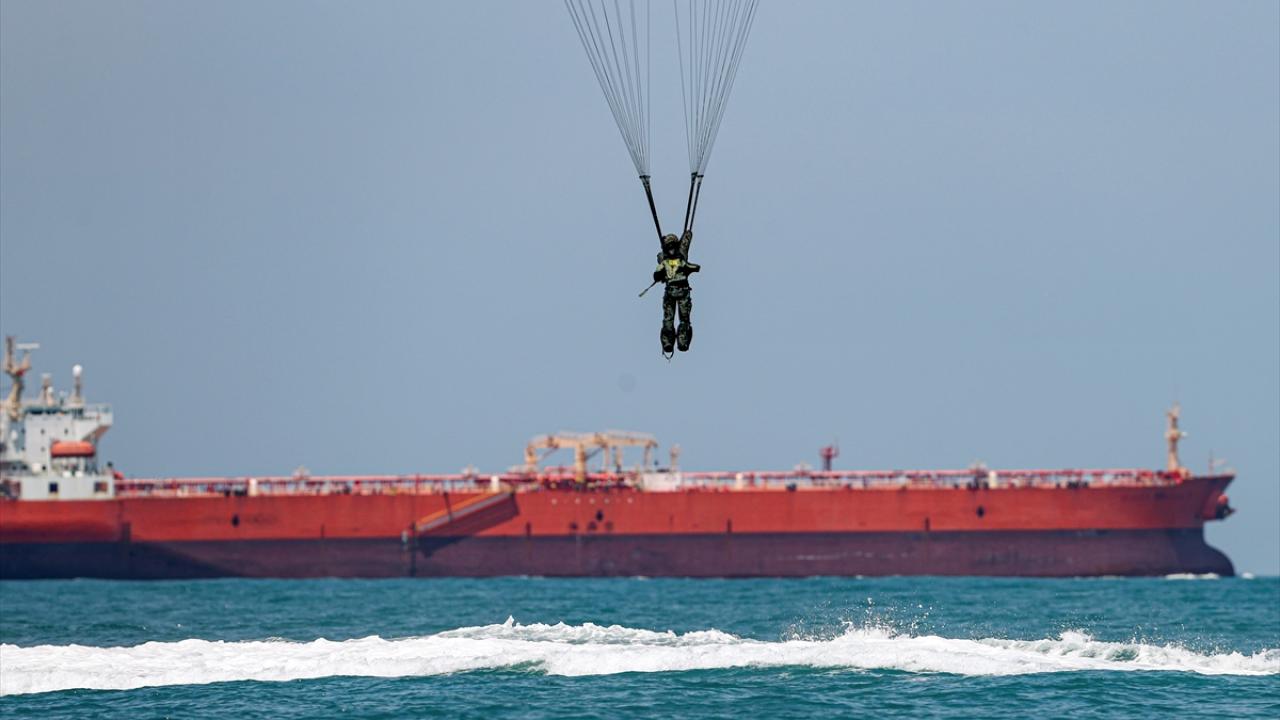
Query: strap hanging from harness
691, 207
648, 191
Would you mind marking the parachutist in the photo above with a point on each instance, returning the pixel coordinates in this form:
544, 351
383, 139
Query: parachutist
709, 46
674, 270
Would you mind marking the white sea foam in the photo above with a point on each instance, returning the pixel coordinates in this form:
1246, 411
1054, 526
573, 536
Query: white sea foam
585, 650
1192, 576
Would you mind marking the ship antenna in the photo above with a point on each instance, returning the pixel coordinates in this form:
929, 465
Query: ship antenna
77, 388
46, 390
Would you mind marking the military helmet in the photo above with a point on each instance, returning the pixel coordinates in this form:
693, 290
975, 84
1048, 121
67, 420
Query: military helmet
670, 239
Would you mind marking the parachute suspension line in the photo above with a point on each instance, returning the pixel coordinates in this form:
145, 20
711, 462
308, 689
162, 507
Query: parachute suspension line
739, 45
648, 74
622, 72
684, 90
715, 54
717, 32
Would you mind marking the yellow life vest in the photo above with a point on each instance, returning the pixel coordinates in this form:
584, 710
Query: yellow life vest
672, 267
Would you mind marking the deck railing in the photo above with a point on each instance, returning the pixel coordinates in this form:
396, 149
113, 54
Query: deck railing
563, 478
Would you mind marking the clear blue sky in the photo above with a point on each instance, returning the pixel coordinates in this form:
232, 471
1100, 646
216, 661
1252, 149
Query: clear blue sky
405, 236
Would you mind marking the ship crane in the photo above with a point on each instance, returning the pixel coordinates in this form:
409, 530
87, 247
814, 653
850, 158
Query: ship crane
16, 370
585, 445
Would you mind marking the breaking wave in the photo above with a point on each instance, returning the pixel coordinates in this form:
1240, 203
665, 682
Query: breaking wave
586, 650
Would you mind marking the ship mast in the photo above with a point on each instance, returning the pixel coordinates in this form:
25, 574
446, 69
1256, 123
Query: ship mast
829, 453
1173, 434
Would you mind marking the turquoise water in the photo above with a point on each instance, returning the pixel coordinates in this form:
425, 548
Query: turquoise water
605, 648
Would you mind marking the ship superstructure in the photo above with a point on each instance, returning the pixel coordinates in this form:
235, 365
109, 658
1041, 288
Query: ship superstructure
62, 516
49, 444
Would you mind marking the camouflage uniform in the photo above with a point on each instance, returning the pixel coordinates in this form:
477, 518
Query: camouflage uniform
674, 269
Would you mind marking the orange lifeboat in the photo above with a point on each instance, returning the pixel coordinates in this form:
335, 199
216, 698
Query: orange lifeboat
72, 448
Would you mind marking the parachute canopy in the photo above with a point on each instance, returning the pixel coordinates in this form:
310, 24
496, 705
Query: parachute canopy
710, 36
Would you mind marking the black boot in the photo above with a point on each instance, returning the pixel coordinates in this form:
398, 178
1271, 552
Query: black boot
668, 341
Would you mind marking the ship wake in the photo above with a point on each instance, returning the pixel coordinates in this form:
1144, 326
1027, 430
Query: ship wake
577, 650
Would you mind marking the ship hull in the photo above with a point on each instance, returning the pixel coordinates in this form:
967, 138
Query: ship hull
1000, 553
1068, 531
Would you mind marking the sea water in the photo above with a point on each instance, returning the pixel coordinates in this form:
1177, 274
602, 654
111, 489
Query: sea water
634, 647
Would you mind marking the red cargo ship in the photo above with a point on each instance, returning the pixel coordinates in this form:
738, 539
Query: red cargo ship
63, 517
